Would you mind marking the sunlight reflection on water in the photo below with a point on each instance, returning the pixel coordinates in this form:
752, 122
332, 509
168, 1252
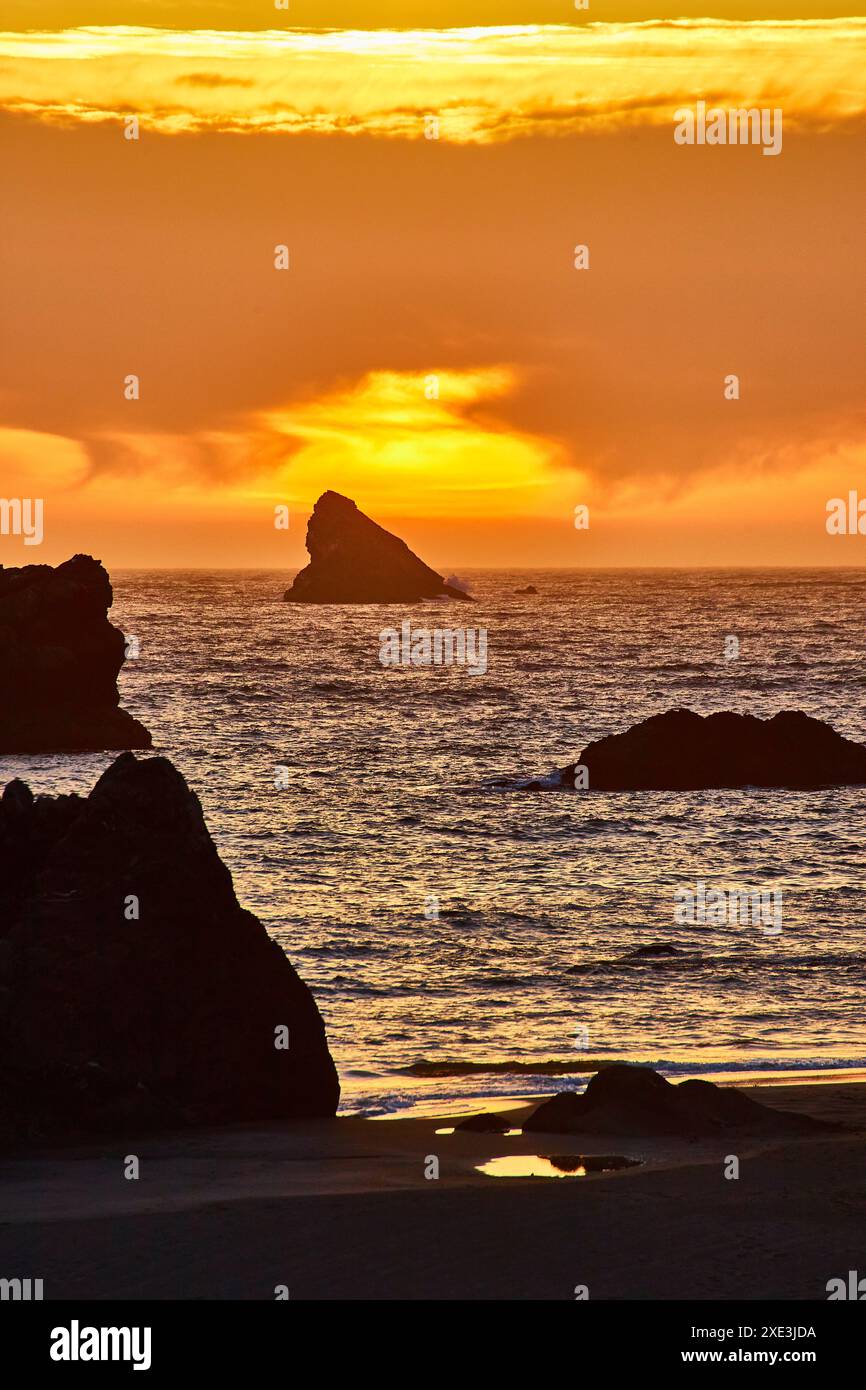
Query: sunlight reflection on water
389, 808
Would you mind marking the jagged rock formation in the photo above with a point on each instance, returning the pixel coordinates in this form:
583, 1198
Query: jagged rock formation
135, 992
683, 751
59, 659
352, 560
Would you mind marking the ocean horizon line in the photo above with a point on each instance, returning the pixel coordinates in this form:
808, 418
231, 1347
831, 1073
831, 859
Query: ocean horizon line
500, 569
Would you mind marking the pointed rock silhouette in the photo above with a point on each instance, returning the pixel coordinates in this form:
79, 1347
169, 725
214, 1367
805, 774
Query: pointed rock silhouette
352, 560
136, 991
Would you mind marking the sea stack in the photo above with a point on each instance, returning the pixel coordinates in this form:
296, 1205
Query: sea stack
59, 661
683, 751
352, 560
135, 992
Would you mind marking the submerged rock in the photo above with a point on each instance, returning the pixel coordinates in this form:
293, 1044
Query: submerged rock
530, 589
683, 751
656, 948
59, 660
352, 560
624, 1099
138, 992
654, 951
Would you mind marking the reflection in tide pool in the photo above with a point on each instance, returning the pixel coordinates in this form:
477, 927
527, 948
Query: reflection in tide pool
504, 1134
554, 1165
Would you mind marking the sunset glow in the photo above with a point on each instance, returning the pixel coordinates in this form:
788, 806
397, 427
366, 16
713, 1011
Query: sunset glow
431, 186
432, 650
485, 83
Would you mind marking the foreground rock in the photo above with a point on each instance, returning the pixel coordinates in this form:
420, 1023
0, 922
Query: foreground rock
683, 751
111, 1021
352, 560
637, 1101
59, 660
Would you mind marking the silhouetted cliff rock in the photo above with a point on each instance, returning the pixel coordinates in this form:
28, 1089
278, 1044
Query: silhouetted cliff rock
632, 1100
59, 659
681, 751
134, 990
352, 560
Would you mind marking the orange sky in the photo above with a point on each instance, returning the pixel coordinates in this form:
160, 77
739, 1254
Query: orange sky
431, 351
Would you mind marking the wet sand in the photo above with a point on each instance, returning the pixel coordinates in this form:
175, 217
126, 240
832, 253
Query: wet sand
343, 1210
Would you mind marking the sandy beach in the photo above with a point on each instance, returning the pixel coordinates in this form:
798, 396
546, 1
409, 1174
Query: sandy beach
343, 1210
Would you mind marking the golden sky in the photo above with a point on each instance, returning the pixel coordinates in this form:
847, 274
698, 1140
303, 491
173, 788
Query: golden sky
394, 14
431, 350
483, 83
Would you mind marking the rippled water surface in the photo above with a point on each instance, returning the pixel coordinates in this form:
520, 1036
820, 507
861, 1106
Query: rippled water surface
389, 806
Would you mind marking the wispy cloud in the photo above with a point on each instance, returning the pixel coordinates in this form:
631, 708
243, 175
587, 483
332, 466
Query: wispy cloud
485, 84
404, 438
431, 436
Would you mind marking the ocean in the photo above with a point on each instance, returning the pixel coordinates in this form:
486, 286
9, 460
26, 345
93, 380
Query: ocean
438, 917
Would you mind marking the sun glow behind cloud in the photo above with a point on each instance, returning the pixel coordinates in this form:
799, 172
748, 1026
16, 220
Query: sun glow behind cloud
484, 84
382, 438
408, 261
400, 448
